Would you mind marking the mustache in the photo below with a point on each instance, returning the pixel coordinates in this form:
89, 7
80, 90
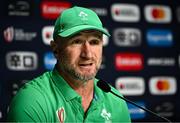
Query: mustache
89, 60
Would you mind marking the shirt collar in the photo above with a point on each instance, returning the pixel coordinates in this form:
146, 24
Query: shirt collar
98, 94
63, 86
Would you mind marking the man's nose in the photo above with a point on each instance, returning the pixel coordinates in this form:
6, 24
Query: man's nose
86, 51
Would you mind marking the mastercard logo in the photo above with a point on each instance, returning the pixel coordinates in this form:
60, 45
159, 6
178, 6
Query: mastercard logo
158, 14
162, 85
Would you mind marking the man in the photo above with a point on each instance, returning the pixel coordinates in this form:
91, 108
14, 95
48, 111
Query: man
69, 93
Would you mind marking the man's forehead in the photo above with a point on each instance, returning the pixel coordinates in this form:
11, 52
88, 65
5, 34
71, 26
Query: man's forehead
90, 32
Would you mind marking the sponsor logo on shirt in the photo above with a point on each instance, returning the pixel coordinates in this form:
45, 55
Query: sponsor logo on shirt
129, 61
125, 12
127, 37
18, 34
152, 61
135, 112
49, 60
61, 114
159, 38
19, 8
162, 85
158, 14
52, 9
21, 60
165, 109
130, 86
100, 11
47, 34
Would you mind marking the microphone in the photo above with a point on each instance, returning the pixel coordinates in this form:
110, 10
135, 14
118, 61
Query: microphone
106, 88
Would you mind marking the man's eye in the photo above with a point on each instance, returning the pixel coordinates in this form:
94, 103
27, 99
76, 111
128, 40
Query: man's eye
76, 42
94, 42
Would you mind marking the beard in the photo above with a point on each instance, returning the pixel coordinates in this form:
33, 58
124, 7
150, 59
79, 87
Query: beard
71, 70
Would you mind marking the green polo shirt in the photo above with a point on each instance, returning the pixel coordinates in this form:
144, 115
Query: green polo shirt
49, 98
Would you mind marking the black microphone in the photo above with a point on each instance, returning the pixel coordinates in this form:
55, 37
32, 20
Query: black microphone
106, 88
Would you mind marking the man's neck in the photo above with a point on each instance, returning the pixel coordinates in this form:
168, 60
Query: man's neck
84, 89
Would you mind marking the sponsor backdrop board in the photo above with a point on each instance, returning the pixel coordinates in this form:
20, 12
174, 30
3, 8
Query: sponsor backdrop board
141, 58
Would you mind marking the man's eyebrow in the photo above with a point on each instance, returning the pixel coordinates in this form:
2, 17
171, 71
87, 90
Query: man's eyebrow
76, 35
98, 35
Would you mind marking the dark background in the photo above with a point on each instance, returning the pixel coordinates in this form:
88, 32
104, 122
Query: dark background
11, 80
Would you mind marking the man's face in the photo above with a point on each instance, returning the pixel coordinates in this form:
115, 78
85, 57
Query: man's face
81, 55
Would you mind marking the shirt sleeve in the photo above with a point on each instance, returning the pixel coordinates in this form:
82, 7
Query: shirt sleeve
27, 106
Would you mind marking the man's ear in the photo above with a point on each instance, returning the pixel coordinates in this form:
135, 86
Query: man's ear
54, 47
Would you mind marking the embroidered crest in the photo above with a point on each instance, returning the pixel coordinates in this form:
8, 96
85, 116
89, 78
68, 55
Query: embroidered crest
106, 115
83, 15
61, 114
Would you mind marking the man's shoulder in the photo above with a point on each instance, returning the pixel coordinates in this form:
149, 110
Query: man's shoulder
32, 91
43, 77
34, 88
30, 101
39, 82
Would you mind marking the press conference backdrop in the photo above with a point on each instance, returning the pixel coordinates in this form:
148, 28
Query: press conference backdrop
141, 59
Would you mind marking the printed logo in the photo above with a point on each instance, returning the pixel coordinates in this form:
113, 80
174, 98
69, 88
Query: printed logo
158, 14
127, 37
18, 34
125, 12
165, 109
157, 37
19, 8
51, 10
47, 34
61, 114
49, 60
162, 85
129, 61
100, 11
106, 115
135, 112
130, 86
161, 61
21, 60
